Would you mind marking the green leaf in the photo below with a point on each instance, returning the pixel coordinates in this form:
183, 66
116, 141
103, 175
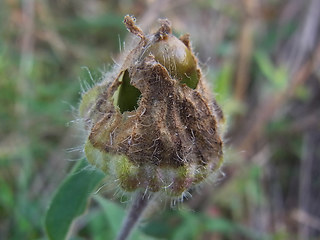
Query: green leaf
222, 83
265, 65
219, 225
71, 199
113, 212
277, 75
98, 226
164, 224
190, 227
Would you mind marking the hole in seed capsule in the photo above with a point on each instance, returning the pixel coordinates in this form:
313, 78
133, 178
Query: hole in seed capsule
127, 96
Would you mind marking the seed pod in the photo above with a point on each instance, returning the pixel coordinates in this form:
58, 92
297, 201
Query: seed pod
152, 124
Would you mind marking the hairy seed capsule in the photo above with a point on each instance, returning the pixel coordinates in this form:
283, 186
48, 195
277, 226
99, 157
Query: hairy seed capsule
152, 124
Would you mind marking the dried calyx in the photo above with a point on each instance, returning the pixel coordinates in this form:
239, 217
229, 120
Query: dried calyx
152, 124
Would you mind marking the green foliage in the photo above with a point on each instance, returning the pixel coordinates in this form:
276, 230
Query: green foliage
71, 199
189, 225
114, 215
40, 88
277, 76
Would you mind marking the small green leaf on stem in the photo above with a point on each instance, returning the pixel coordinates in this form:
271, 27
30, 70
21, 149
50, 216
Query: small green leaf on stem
71, 199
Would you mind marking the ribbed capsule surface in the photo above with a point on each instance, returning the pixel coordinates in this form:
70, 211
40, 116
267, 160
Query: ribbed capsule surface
153, 125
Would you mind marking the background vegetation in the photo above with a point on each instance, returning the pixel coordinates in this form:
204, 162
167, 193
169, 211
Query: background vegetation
262, 58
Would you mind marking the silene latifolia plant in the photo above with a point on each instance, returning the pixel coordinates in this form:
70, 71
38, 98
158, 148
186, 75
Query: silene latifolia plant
152, 124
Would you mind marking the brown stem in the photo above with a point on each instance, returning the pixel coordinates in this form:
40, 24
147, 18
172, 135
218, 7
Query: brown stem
139, 204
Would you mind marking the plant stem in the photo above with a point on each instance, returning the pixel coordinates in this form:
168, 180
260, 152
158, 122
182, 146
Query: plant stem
139, 204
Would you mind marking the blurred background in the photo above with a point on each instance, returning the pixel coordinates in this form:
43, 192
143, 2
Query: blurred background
262, 58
